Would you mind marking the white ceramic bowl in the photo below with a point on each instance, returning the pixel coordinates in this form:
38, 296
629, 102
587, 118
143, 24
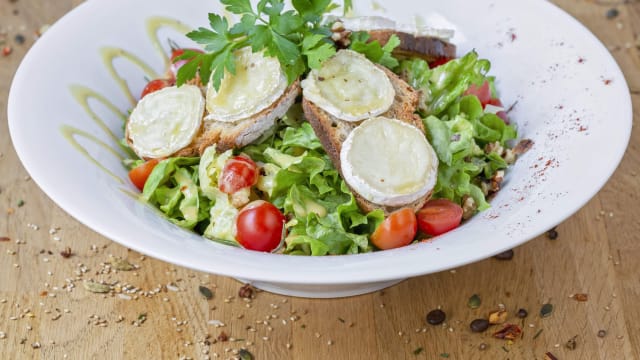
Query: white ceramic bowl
570, 97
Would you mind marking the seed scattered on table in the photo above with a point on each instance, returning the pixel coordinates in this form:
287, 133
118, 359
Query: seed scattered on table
572, 343
580, 297
498, 317
246, 291
66, 253
19, 39
546, 310
552, 234
479, 325
602, 333
508, 332
483, 346
206, 292
522, 313
612, 13
474, 301
436, 317
506, 255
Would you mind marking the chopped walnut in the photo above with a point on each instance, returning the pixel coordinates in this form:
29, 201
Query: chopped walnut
337, 26
469, 207
341, 38
494, 147
246, 291
509, 156
496, 181
484, 186
523, 146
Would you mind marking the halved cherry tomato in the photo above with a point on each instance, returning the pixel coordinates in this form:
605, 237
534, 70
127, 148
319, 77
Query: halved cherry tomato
238, 173
483, 92
155, 85
397, 230
175, 66
139, 174
439, 216
260, 226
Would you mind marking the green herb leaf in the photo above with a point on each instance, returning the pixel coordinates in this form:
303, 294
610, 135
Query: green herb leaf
237, 6
297, 38
373, 50
348, 6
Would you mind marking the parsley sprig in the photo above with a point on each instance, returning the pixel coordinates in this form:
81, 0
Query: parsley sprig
297, 38
380, 54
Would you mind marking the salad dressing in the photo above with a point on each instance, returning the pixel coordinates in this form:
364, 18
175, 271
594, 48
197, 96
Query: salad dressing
83, 94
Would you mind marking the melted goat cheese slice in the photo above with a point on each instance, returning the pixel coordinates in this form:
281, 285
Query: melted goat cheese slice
349, 87
258, 83
389, 162
165, 121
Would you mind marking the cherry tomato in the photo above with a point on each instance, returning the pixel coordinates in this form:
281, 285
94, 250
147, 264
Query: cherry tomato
260, 226
139, 174
238, 173
439, 216
175, 66
439, 61
397, 230
483, 92
155, 85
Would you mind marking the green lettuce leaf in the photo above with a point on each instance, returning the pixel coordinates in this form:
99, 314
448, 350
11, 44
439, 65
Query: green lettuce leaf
172, 187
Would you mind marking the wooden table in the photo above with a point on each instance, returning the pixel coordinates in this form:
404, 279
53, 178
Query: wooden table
46, 313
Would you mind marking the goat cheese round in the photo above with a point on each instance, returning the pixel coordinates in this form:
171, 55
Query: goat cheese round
258, 83
165, 121
349, 87
389, 162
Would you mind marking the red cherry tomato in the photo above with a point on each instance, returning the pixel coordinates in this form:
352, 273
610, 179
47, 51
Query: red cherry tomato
439, 216
155, 85
175, 66
483, 92
238, 173
439, 61
139, 174
260, 226
397, 230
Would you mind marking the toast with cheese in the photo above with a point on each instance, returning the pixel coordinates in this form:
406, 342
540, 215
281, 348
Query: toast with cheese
333, 132
234, 135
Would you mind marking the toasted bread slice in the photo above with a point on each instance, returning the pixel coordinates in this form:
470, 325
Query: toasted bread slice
233, 135
332, 131
426, 47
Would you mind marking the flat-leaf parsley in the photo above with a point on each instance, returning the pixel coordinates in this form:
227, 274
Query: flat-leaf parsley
297, 38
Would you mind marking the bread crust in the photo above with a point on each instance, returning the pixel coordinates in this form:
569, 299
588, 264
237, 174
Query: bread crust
426, 47
332, 132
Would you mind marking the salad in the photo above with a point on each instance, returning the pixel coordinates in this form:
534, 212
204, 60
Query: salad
282, 192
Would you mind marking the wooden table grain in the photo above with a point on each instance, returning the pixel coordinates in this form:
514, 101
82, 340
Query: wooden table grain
45, 313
